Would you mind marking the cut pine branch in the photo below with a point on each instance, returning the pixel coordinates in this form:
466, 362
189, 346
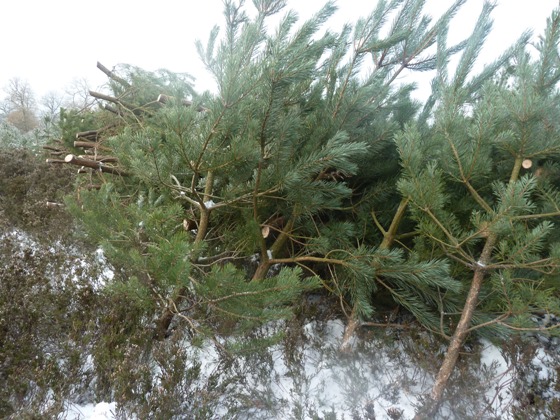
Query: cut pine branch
112, 75
352, 325
163, 99
89, 163
91, 145
180, 294
464, 325
101, 158
91, 135
116, 101
112, 109
53, 148
55, 161
275, 250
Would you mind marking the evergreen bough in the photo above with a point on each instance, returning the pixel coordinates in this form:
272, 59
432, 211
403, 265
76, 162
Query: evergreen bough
264, 190
481, 182
305, 171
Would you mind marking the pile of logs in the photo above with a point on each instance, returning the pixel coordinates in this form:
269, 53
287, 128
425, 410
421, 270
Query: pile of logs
96, 157
91, 159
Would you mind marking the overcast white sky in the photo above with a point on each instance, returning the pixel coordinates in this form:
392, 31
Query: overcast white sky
51, 43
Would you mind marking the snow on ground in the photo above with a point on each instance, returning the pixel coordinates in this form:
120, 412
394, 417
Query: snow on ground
100, 411
78, 263
542, 361
323, 379
328, 381
107, 273
500, 395
314, 379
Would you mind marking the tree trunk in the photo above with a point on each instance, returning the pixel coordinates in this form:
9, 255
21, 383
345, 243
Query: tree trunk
93, 135
135, 109
90, 145
275, 250
100, 158
112, 75
261, 271
55, 160
462, 330
166, 317
349, 331
464, 324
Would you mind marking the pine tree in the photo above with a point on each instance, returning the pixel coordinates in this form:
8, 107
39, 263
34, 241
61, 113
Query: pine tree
482, 188
236, 202
226, 207
416, 294
305, 171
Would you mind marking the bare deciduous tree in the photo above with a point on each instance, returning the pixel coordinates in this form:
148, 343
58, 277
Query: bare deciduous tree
78, 95
51, 104
19, 105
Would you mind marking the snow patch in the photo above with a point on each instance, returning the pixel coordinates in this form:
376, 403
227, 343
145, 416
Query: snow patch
209, 204
107, 273
311, 378
542, 362
99, 411
500, 395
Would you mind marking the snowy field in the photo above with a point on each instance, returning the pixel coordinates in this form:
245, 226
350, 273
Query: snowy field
305, 376
380, 378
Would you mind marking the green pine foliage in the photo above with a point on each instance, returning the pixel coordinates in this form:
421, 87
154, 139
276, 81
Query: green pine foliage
483, 184
311, 166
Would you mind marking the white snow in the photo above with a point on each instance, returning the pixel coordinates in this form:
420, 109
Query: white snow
542, 362
79, 263
99, 411
107, 273
500, 394
209, 204
380, 374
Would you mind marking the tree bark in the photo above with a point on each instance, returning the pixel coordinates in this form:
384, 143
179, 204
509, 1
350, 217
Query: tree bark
88, 163
351, 327
112, 75
53, 148
462, 330
91, 145
114, 100
112, 109
101, 158
91, 135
